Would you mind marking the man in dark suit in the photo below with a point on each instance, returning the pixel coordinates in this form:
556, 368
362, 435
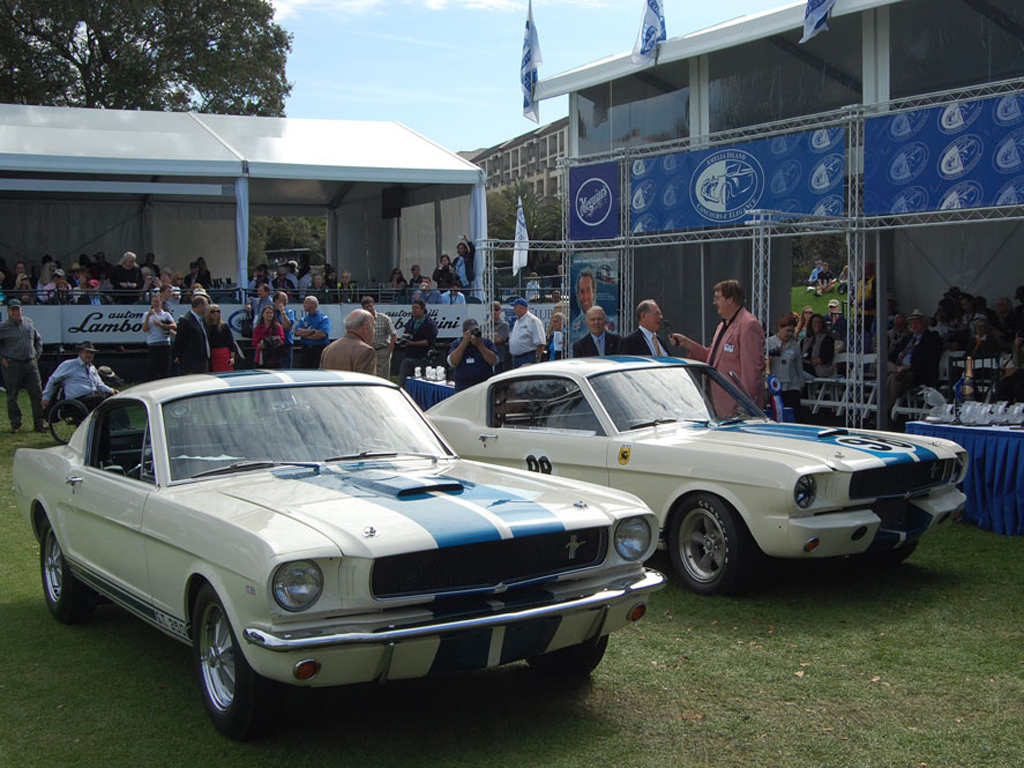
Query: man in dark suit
915, 360
191, 344
599, 341
645, 340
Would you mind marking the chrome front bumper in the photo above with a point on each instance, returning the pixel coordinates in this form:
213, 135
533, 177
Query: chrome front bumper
304, 640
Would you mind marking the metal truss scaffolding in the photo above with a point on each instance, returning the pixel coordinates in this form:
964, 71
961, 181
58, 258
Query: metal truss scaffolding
864, 378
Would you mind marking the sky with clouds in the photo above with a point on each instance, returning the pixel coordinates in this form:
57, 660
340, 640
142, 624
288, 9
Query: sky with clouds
449, 69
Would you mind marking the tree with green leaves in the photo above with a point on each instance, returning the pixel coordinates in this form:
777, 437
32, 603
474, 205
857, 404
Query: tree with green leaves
543, 215
163, 55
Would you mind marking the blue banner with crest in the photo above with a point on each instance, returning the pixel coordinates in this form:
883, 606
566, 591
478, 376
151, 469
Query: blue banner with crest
594, 201
968, 154
795, 173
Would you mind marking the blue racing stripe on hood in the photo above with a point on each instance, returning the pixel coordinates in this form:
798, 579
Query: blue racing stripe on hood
887, 449
449, 523
523, 516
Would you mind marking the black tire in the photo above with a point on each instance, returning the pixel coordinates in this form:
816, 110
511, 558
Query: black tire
240, 702
572, 661
69, 600
710, 547
64, 417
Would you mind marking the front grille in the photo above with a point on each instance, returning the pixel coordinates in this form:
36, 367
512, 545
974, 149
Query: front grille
486, 565
900, 479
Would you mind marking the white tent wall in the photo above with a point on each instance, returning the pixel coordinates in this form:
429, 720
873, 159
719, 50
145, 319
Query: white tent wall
418, 237
455, 222
983, 259
183, 232
65, 229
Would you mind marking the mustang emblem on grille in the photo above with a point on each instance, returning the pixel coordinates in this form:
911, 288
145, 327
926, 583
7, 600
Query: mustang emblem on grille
573, 544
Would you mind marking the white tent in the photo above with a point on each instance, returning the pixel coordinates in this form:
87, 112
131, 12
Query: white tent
183, 185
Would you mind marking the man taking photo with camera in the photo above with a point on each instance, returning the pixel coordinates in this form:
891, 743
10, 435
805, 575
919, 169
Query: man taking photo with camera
471, 358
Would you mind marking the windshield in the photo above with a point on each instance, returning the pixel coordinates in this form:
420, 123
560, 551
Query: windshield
664, 394
291, 424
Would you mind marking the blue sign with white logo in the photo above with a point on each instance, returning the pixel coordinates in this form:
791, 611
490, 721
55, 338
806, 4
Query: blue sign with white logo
968, 154
795, 173
594, 202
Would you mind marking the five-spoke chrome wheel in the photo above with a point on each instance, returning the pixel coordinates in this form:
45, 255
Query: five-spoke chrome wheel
217, 656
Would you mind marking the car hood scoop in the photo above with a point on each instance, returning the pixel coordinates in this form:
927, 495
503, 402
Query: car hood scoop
402, 486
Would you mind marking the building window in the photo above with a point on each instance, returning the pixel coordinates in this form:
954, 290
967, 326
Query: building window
648, 107
777, 78
936, 46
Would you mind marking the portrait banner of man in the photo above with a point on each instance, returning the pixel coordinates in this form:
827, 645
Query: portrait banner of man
594, 282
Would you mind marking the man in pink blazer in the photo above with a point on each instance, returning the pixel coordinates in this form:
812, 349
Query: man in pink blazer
738, 344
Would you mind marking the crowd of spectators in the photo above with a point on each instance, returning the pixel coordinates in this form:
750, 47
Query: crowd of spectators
924, 349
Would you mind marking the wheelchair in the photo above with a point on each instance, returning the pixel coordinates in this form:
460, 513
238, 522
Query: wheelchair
65, 414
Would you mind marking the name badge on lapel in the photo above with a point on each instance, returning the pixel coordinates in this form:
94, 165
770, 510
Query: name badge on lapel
729, 348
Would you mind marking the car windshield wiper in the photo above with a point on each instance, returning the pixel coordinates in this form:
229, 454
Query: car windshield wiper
249, 466
652, 422
379, 455
733, 420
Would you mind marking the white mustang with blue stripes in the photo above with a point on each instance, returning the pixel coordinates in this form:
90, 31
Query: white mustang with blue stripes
727, 484
311, 528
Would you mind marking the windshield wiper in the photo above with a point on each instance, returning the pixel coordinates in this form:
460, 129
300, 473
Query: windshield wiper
379, 455
249, 466
731, 420
652, 423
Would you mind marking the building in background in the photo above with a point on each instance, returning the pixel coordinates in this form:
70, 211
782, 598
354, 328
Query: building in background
532, 157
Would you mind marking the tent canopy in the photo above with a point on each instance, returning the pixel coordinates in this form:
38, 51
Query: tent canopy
60, 164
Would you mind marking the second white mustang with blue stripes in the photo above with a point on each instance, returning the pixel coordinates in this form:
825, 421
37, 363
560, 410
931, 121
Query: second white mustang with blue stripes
727, 484
310, 527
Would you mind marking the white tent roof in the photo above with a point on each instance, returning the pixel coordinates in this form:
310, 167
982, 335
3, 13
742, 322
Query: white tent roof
744, 29
60, 141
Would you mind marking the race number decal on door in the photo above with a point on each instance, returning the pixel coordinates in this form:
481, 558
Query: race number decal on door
538, 463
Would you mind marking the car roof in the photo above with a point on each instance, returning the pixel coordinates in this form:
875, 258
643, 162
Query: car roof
164, 390
585, 367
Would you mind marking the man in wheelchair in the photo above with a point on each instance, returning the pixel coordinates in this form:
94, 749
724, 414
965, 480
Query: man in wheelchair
79, 379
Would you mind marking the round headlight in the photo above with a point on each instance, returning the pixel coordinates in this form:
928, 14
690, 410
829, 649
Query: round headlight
632, 538
805, 491
298, 585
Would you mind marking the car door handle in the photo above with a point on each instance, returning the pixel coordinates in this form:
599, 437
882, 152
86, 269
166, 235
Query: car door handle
73, 480
486, 437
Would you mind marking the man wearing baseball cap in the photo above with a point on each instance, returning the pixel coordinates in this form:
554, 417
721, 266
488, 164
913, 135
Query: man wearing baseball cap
79, 378
20, 349
835, 322
527, 341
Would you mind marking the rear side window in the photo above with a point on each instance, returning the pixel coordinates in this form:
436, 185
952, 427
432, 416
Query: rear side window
542, 403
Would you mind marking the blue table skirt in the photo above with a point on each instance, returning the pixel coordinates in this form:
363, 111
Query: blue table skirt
994, 484
428, 393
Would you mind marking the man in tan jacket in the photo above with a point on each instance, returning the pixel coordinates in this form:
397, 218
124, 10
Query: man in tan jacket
352, 352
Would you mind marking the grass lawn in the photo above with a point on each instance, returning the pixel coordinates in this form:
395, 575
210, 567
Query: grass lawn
825, 664
801, 298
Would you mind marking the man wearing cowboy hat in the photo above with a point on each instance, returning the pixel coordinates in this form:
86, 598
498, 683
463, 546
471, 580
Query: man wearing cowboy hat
915, 360
79, 379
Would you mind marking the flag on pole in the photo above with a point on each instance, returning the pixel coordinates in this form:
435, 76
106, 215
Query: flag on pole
816, 17
652, 31
521, 252
528, 71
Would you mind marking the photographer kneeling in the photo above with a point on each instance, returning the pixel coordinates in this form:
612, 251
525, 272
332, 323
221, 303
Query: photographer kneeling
471, 358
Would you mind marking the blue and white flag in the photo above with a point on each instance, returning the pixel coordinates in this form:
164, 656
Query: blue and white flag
521, 252
528, 71
816, 17
652, 31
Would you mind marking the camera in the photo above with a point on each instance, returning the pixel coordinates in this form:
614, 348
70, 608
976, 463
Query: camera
477, 333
